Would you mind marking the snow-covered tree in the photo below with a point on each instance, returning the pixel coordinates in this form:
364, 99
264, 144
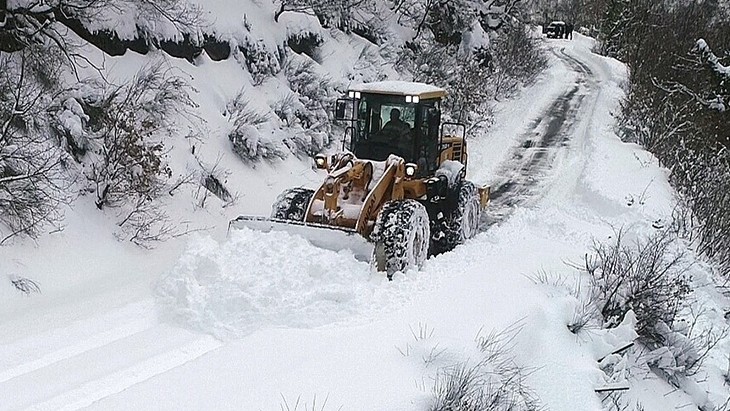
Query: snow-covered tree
32, 178
678, 103
27, 21
717, 95
478, 50
341, 14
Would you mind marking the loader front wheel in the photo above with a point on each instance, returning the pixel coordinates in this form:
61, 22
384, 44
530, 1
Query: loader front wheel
463, 222
292, 204
401, 236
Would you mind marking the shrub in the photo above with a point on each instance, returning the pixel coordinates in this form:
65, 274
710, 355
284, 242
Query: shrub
25, 285
213, 184
466, 79
304, 42
133, 121
125, 128
315, 94
677, 103
247, 141
251, 145
213, 178
519, 56
648, 277
260, 62
32, 168
496, 382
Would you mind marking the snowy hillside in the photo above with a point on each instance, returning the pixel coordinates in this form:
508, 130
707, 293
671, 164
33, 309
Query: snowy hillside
220, 133
201, 145
212, 319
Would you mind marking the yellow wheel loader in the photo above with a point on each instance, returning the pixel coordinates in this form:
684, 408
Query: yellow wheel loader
397, 193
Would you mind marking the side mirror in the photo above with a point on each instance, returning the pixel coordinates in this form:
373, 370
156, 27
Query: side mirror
340, 109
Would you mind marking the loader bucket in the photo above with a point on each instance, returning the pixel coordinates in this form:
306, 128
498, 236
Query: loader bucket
321, 235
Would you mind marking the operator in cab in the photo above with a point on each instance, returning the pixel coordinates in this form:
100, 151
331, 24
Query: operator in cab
396, 126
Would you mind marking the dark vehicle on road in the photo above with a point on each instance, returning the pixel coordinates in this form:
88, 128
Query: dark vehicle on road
555, 30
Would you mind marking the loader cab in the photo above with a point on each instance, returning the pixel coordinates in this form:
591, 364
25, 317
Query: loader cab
398, 118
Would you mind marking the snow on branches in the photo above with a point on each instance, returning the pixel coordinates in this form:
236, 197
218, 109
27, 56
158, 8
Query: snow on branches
722, 95
712, 59
32, 180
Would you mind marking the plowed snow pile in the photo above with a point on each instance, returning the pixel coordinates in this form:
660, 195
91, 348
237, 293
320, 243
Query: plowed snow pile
247, 283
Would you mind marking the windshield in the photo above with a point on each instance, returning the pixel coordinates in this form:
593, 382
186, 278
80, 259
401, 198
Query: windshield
386, 118
388, 125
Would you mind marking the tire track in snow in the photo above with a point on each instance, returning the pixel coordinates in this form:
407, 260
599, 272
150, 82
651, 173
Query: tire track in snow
93, 359
85, 345
114, 383
546, 136
87, 340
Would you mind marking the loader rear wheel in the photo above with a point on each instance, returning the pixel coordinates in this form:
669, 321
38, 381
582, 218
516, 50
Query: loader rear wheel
463, 222
401, 236
292, 204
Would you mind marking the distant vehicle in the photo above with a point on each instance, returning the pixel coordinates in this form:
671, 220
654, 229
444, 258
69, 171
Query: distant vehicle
554, 30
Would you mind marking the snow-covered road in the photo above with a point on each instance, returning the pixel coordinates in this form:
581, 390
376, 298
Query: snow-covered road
546, 135
238, 325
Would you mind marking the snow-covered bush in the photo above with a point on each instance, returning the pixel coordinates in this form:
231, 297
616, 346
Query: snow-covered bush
685, 345
118, 135
645, 286
49, 22
700, 169
678, 356
250, 144
316, 94
466, 79
648, 277
370, 63
214, 184
518, 55
477, 51
145, 222
259, 60
304, 42
305, 81
32, 177
209, 178
451, 50
133, 121
287, 109
303, 124
496, 382
248, 141
340, 14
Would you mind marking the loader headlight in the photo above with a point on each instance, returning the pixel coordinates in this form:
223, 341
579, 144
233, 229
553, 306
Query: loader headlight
411, 169
321, 161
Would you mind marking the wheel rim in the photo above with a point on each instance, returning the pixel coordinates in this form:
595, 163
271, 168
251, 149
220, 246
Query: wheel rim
470, 221
419, 246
